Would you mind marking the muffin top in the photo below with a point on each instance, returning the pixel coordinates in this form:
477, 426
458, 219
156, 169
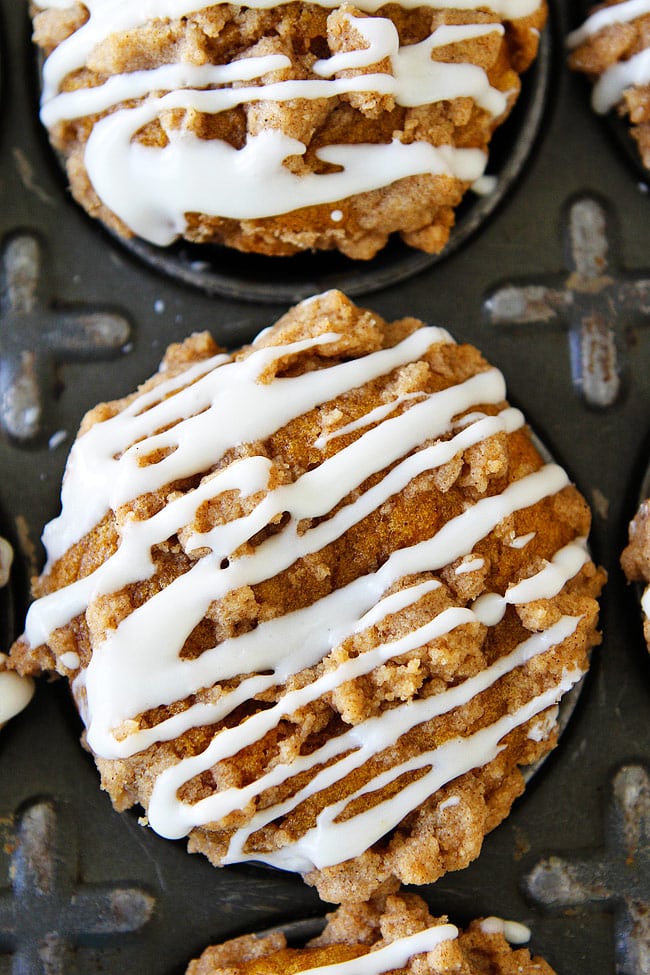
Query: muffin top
280, 127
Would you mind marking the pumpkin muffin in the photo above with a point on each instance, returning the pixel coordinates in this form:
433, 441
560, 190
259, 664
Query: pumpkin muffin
318, 599
280, 127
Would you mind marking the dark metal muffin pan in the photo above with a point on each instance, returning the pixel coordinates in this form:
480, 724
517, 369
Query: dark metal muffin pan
552, 283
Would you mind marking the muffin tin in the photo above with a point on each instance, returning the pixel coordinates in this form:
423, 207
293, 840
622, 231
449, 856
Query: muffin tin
550, 278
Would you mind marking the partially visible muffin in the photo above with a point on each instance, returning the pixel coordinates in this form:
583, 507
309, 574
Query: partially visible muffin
318, 599
393, 935
15, 692
612, 48
635, 559
280, 127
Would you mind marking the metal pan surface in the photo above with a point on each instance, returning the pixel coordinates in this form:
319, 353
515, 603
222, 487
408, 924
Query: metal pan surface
552, 284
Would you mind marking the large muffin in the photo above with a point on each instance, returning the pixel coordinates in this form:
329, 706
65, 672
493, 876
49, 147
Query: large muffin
392, 935
317, 600
612, 48
280, 127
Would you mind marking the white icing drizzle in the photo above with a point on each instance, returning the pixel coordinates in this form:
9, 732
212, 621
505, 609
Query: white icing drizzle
490, 607
113, 16
375, 416
172, 819
617, 13
611, 85
370, 737
331, 842
15, 692
635, 71
396, 602
138, 667
198, 587
103, 472
70, 660
153, 188
391, 957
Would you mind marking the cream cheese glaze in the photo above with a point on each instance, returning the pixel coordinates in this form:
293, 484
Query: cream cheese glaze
151, 189
138, 666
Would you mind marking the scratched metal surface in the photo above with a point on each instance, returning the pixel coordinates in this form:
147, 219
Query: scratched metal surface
553, 284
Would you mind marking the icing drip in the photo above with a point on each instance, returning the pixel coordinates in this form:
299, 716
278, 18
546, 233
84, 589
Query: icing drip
635, 71
449, 803
15, 693
522, 541
512, 931
153, 188
137, 666
471, 565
